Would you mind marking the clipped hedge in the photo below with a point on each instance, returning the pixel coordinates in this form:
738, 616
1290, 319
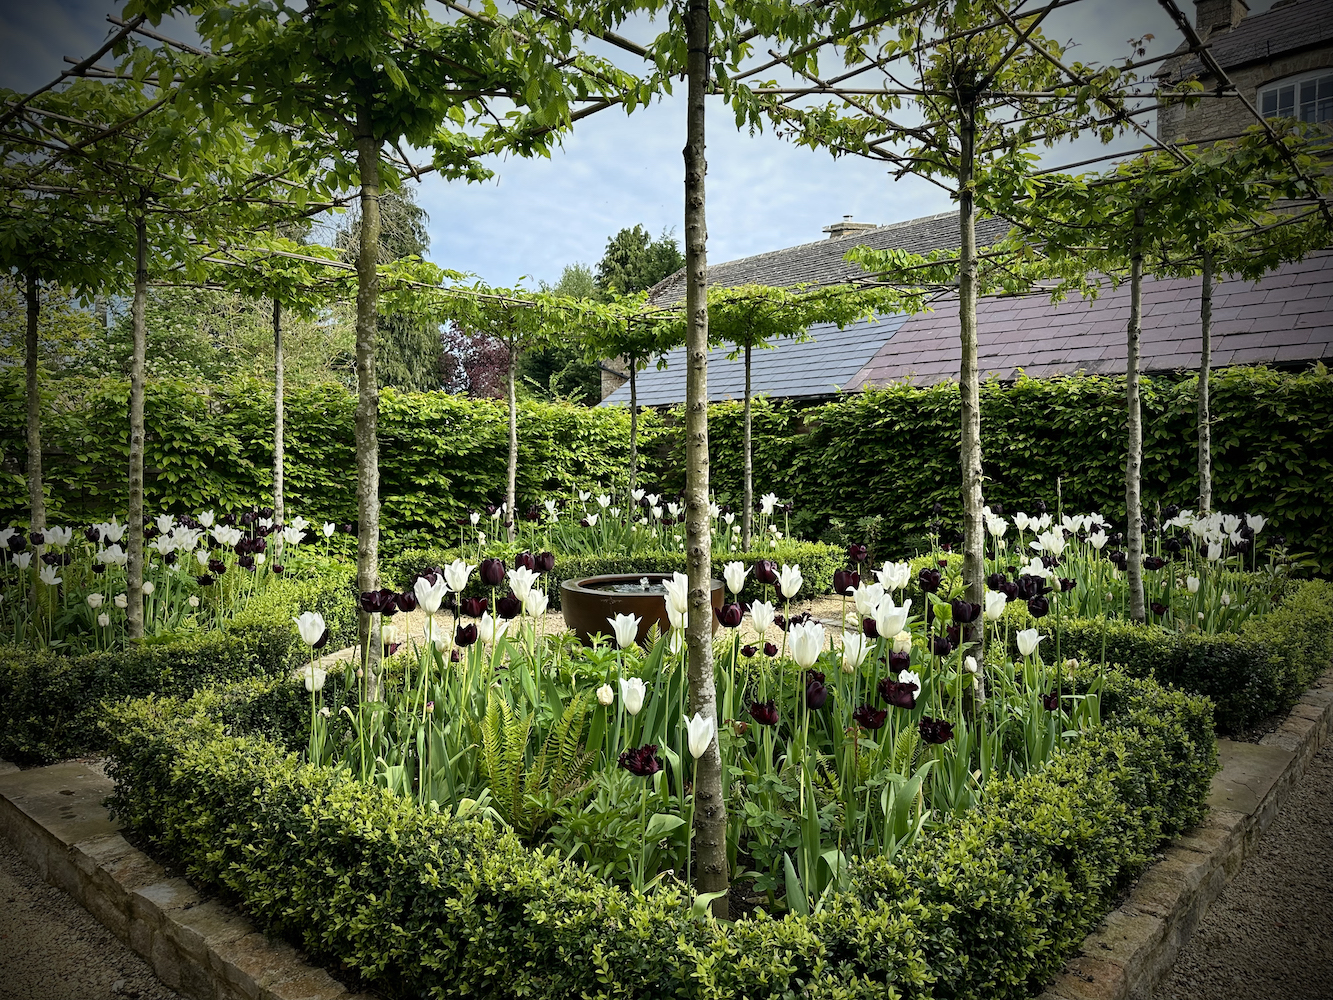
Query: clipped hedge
419, 905
1248, 675
818, 562
51, 706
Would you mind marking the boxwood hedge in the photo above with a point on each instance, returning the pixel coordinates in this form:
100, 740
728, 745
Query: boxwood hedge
51, 704
422, 905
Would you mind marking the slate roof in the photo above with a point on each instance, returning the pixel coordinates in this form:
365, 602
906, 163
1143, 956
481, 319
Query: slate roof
1283, 29
1286, 318
821, 263
818, 367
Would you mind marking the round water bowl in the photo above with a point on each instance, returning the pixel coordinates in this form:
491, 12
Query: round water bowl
588, 602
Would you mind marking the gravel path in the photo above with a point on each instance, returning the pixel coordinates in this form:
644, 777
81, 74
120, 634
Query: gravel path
1269, 936
52, 949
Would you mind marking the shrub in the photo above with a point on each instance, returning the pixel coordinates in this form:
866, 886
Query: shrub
51, 705
422, 905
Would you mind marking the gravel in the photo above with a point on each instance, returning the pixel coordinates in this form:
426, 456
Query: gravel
1269, 936
52, 949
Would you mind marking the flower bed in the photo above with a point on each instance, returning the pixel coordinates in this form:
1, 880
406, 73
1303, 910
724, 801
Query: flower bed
421, 904
51, 705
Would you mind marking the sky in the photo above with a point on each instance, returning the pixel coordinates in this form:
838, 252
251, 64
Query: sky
615, 170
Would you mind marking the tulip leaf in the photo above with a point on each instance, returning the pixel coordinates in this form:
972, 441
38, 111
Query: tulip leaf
661, 826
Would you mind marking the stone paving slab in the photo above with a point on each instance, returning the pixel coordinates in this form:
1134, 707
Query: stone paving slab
1135, 946
56, 819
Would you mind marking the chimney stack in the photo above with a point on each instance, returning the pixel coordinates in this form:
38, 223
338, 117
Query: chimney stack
1218, 15
846, 227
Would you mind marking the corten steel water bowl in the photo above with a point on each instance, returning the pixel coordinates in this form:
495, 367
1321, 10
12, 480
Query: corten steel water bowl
589, 601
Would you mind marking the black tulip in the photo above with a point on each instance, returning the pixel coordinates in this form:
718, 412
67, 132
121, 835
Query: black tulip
965, 612
898, 694
1039, 606
869, 717
730, 615
870, 629
929, 580
770, 649
940, 645
475, 607
508, 607
465, 635
845, 581
766, 571
898, 662
857, 552
748, 650
544, 562
406, 601
1051, 702
93, 535
525, 560
764, 712
935, 731
816, 692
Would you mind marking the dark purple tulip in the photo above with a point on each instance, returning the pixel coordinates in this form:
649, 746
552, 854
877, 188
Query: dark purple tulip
217, 567
942, 563
246, 562
940, 645
347, 529
730, 615
227, 520
52, 559
1009, 590
1066, 584
870, 629
508, 607
857, 552
1040, 507
641, 761
149, 530
995, 581
583, 522
898, 694
1050, 562
93, 535
99, 568
545, 562
1154, 563
37, 538
1039, 606
526, 561
766, 571
277, 569
1030, 587
935, 731
816, 692
475, 607
764, 712
378, 602
406, 601
1051, 702
169, 558
465, 635
17, 543
322, 641
770, 649
1243, 546
929, 580
1172, 546
997, 509
1158, 609
1118, 558
748, 650
845, 581
491, 572
965, 612
533, 514
869, 717
204, 580
899, 662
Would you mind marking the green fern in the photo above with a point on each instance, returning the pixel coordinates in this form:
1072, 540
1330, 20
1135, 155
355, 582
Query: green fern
904, 750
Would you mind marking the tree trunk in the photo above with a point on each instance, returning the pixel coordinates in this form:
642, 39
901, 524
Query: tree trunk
710, 813
134, 547
368, 395
511, 480
100, 314
633, 425
278, 373
974, 532
748, 512
1134, 459
36, 489
1205, 371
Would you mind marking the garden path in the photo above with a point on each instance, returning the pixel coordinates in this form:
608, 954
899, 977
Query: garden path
1269, 935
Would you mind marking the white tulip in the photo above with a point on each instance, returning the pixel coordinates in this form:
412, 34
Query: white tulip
456, 574
1021, 521
894, 576
259, 558
603, 501
605, 696
585, 496
205, 518
313, 677
521, 580
908, 677
806, 642
790, 580
1192, 584
657, 513
637, 495
148, 588
112, 555
1256, 522
95, 600
430, 595
1230, 523
1097, 540
47, 574
1028, 640
535, 603
767, 502
292, 535
201, 556
677, 619
700, 731
678, 592
995, 602
592, 520
902, 642
734, 573
997, 526
761, 616
58, 536
491, 630
626, 628
193, 600
103, 620
632, 694
266, 523
867, 598
855, 647
475, 518
1226, 599
165, 522
329, 528
1214, 551
676, 643
970, 664
121, 601
311, 626
890, 619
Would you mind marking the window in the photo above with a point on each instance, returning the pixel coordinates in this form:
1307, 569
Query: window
1308, 98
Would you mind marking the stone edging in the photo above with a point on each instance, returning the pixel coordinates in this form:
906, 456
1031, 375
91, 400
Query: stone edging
55, 818
1136, 945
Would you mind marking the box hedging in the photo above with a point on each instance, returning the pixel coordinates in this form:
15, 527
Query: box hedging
817, 561
51, 705
420, 905
1248, 675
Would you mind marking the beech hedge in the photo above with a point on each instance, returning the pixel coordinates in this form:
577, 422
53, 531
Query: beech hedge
52, 705
421, 905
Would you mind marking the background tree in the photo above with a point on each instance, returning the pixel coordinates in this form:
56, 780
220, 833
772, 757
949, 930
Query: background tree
634, 262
